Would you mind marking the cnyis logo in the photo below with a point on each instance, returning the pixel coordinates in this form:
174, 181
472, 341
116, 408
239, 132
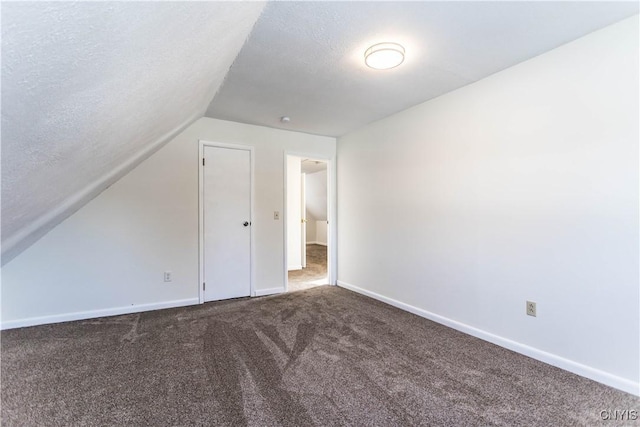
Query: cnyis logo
619, 414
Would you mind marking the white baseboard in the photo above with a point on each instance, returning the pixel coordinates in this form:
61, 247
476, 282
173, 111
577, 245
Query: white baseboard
294, 267
543, 356
317, 243
270, 291
92, 314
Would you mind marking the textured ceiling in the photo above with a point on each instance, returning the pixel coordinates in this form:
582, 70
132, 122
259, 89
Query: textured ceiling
305, 59
90, 89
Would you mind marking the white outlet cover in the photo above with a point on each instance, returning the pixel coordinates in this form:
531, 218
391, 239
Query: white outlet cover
531, 308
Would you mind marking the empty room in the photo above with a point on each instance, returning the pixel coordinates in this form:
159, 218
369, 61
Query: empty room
320, 213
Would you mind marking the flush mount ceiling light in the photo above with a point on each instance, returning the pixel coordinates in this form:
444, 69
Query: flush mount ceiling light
383, 56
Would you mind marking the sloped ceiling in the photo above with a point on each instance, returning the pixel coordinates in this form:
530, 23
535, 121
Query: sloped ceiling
306, 59
90, 89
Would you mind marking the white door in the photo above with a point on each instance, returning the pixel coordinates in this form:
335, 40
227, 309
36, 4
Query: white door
303, 210
227, 223
294, 253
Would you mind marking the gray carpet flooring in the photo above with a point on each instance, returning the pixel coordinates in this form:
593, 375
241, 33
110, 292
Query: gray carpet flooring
323, 356
314, 274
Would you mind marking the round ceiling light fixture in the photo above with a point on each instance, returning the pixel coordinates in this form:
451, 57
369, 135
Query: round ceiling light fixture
383, 56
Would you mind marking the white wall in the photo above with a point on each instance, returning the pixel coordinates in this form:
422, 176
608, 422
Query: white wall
522, 186
294, 213
316, 193
110, 255
316, 203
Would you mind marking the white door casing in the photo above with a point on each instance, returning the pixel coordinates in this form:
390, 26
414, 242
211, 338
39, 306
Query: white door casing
226, 194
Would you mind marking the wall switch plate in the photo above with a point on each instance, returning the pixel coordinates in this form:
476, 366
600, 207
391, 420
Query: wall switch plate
168, 276
531, 308
276, 215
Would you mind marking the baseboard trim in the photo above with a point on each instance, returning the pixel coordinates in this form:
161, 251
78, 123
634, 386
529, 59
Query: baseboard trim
543, 356
92, 314
317, 243
270, 291
295, 267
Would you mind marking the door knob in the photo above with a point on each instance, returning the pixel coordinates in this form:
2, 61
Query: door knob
246, 223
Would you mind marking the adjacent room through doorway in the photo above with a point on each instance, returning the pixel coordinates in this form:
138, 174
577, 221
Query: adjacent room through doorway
307, 223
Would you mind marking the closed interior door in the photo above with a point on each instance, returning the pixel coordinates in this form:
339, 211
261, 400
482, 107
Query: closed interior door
227, 223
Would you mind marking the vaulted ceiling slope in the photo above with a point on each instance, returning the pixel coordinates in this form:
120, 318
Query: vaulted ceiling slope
90, 89
305, 59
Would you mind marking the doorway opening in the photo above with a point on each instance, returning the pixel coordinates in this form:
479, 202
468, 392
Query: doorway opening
308, 235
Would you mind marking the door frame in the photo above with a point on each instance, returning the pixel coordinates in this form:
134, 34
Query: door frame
201, 145
332, 228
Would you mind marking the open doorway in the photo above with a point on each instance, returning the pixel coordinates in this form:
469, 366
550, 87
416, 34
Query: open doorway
307, 223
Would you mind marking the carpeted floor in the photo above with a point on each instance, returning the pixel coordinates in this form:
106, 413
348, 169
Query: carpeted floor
324, 356
314, 274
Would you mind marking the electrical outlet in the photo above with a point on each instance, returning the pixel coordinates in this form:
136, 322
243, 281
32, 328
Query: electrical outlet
276, 215
531, 308
168, 276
